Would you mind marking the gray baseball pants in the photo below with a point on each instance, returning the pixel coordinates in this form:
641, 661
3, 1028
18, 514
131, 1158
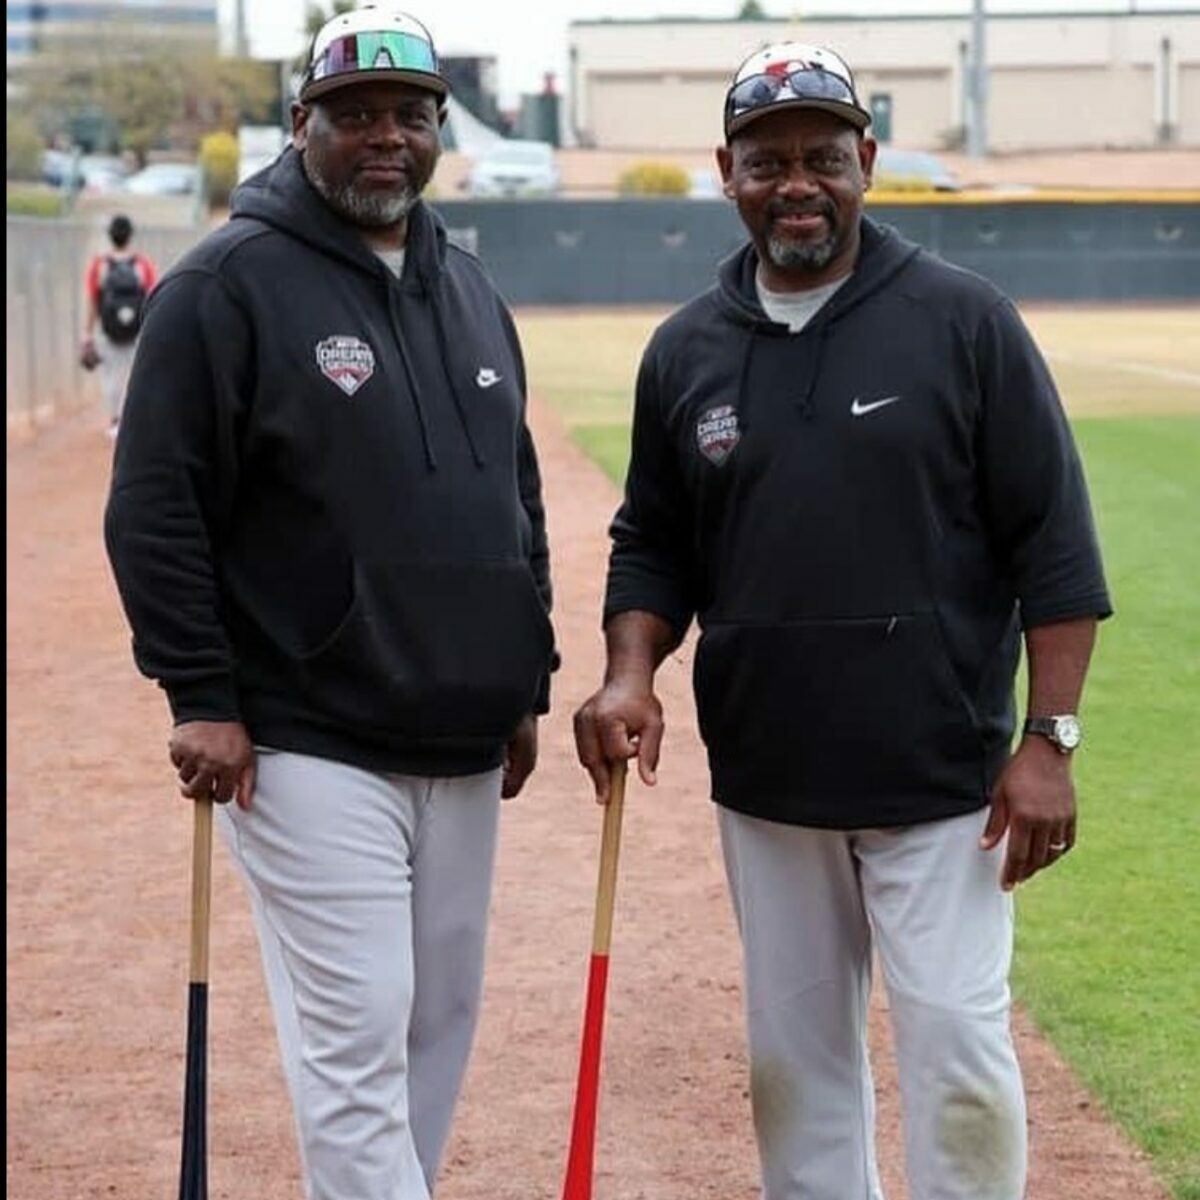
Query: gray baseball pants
370, 893
116, 363
811, 905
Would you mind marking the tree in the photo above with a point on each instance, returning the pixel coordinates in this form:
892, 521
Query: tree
23, 148
154, 89
315, 15
752, 10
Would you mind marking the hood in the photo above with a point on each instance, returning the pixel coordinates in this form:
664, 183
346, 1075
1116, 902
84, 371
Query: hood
280, 195
883, 253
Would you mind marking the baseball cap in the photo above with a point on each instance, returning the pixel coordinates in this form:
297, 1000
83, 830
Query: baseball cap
792, 75
372, 44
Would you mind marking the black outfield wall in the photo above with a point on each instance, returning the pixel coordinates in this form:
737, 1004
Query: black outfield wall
665, 250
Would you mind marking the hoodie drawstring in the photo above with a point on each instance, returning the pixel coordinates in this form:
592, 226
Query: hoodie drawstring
459, 406
807, 409
742, 399
410, 375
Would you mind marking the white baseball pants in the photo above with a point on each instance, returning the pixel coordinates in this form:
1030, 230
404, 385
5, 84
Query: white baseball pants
811, 904
370, 893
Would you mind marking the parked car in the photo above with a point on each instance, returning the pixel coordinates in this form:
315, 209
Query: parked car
165, 179
515, 168
89, 172
914, 167
103, 172
58, 167
704, 184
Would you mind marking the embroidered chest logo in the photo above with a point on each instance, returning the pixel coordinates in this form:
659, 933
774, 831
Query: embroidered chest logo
346, 361
717, 433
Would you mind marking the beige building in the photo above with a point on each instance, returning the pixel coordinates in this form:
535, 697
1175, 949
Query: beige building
1055, 81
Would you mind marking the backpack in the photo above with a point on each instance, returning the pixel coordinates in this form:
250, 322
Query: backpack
122, 297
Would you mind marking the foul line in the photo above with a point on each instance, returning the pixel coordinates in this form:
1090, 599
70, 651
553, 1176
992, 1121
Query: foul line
1133, 368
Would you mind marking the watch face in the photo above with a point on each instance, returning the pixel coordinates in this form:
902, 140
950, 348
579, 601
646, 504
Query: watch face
1067, 732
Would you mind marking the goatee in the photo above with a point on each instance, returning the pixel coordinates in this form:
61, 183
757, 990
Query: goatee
794, 254
788, 255
371, 209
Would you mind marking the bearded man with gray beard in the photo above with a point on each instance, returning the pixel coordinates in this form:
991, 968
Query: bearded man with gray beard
326, 525
851, 467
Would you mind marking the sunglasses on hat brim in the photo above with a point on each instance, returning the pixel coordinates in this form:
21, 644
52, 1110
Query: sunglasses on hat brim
810, 84
388, 53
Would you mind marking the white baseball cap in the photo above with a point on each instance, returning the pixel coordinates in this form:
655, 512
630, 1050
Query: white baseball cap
792, 75
369, 44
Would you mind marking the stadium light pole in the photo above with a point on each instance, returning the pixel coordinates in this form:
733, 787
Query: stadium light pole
977, 108
239, 29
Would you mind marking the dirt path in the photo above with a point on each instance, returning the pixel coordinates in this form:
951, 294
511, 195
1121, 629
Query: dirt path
97, 926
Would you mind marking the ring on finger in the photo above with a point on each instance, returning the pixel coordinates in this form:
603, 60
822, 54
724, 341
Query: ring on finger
1057, 847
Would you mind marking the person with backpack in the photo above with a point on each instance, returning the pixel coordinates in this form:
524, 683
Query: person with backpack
116, 285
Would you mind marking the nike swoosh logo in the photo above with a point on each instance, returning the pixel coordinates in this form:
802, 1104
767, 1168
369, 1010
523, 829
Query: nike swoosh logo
487, 377
859, 409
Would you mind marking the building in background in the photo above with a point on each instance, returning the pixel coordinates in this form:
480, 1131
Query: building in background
539, 118
473, 83
1056, 81
34, 27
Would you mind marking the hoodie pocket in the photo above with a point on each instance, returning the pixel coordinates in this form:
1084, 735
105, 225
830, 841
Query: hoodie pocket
853, 707
433, 651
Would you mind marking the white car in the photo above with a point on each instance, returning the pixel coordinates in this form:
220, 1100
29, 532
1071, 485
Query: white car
515, 168
165, 179
704, 184
915, 167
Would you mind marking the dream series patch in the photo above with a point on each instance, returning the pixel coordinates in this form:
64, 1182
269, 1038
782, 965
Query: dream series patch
717, 433
346, 361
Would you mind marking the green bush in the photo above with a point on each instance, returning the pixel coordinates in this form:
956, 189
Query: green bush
219, 163
653, 179
885, 181
23, 150
34, 200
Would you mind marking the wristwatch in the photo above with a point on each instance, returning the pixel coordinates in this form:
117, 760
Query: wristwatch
1064, 731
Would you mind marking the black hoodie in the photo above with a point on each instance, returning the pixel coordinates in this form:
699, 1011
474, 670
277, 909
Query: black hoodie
862, 515
326, 517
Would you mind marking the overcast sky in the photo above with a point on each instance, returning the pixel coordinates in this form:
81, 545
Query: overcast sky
529, 37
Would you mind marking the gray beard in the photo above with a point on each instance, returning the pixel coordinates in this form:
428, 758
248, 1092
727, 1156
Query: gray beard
371, 210
800, 256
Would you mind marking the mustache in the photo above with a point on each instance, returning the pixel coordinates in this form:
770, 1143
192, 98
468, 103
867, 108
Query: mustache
814, 208
385, 164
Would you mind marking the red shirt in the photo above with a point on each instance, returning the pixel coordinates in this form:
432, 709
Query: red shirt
99, 264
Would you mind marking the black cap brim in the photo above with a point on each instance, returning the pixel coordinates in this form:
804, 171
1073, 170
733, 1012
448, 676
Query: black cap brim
331, 83
858, 117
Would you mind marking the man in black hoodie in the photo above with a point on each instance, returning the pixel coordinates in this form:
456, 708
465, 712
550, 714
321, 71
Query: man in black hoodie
327, 528
850, 464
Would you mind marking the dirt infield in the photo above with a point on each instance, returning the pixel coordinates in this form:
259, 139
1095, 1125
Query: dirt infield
97, 925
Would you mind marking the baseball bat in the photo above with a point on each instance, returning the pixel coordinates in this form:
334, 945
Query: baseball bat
193, 1170
580, 1157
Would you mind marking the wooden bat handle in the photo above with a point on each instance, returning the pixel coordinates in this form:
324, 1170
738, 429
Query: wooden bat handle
610, 844
201, 889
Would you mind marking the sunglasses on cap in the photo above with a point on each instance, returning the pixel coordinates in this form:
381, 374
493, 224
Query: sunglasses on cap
386, 50
804, 83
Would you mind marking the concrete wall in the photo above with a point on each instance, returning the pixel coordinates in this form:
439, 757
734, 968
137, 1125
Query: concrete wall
44, 267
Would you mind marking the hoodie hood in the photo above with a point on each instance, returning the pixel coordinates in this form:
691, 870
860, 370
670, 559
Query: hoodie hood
883, 253
282, 196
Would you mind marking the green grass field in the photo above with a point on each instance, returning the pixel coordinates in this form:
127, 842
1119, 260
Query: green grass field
1108, 947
